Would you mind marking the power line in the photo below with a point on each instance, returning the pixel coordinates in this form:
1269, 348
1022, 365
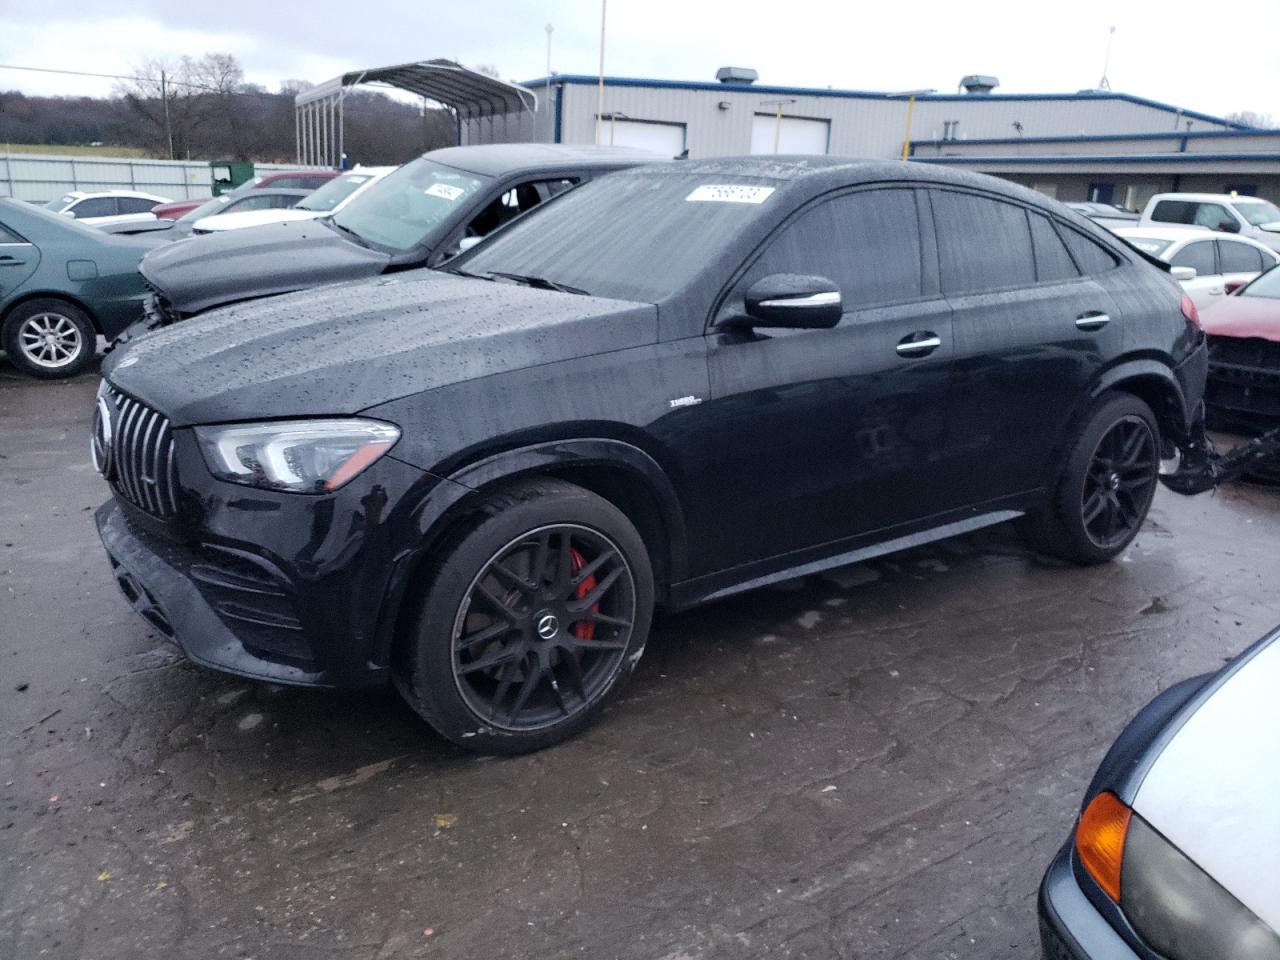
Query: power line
120, 76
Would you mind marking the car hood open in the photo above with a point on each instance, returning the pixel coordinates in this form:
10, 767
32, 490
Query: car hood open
220, 268
1244, 317
351, 346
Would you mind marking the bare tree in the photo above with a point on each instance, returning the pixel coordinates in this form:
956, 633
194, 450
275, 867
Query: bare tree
1251, 118
176, 99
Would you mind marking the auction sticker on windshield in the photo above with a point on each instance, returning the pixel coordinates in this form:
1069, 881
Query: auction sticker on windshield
444, 191
729, 193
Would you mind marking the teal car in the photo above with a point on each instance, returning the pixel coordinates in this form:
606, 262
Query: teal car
61, 284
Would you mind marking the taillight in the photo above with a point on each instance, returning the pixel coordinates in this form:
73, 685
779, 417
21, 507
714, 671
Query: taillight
1189, 311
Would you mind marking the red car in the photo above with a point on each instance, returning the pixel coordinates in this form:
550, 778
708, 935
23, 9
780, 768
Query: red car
282, 179
1243, 392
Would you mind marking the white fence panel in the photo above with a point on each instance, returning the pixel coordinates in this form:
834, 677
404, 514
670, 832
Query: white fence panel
42, 177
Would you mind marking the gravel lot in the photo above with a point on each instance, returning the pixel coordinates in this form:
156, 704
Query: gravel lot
874, 763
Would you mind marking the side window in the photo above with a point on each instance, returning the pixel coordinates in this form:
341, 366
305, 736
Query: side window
135, 204
1212, 215
553, 188
94, 207
1053, 262
1240, 257
1175, 211
508, 206
8, 236
867, 243
1090, 256
983, 244
253, 201
282, 201
1198, 255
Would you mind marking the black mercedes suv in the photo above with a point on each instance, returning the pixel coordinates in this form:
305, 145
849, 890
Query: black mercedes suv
674, 383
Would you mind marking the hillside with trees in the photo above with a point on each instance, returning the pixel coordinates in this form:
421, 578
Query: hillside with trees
214, 114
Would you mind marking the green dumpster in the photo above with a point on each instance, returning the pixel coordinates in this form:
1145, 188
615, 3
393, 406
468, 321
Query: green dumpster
229, 174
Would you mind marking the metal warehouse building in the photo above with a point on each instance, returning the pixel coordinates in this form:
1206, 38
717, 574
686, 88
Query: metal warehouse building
1099, 145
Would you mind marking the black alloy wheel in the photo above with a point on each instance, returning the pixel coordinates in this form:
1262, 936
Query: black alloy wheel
544, 627
1120, 482
531, 615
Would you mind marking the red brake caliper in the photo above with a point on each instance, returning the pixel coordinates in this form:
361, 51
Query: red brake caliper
583, 629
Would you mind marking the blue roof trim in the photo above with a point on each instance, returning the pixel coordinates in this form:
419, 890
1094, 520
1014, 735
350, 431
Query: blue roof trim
577, 78
1085, 159
1109, 137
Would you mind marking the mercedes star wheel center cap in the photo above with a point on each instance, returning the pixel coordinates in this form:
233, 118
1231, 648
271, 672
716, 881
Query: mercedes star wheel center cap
548, 626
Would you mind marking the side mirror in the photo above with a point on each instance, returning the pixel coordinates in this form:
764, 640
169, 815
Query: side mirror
1182, 273
794, 300
69, 213
466, 243
1231, 286
1228, 226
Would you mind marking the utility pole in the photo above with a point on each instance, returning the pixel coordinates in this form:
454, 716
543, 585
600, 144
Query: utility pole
164, 96
546, 101
600, 88
1104, 83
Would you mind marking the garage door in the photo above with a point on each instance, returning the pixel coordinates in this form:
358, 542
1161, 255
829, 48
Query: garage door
795, 135
664, 138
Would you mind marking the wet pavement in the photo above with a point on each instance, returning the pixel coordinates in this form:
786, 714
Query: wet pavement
874, 763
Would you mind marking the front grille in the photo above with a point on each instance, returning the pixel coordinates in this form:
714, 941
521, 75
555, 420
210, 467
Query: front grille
141, 465
1248, 354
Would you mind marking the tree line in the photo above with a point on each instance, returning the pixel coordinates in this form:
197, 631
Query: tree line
203, 109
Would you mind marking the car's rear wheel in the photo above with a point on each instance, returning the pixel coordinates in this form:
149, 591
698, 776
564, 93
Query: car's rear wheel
49, 338
1106, 485
531, 620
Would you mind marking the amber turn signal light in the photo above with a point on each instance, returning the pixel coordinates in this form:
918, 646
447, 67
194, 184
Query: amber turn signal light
1100, 841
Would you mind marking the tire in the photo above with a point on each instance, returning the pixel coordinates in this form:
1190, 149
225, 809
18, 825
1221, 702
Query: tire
1105, 487
49, 339
503, 659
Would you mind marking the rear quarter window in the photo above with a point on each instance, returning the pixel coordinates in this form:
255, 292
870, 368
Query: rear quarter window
1090, 256
983, 243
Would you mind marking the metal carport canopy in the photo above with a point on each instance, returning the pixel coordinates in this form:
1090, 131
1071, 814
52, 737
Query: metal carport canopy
466, 91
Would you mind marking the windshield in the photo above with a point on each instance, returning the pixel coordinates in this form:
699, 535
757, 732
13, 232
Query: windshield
206, 209
1267, 285
401, 210
630, 236
61, 203
1258, 212
1153, 247
334, 192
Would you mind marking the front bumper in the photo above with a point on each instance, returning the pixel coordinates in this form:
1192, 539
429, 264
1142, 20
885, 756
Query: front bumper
1244, 380
1071, 928
280, 587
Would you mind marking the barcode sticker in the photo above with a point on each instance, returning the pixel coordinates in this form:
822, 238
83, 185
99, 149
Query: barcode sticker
729, 193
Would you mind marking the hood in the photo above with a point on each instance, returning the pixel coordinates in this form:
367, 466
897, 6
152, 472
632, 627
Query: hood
221, 268
347, 347
252, 218
1243, 317
1212, 790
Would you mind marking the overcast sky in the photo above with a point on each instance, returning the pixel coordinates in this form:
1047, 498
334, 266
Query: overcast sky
1176, 51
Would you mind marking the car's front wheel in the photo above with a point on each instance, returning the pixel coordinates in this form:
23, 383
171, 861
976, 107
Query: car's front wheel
49, 338
1106, 485
530, 621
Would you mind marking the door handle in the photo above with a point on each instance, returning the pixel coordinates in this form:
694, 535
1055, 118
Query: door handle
1093, 320
11, 262
919, 344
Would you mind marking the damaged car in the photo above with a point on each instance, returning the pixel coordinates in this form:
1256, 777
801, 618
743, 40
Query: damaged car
674, 384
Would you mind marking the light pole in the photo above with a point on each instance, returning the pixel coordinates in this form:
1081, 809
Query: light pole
911, 106
547, 98
600, 88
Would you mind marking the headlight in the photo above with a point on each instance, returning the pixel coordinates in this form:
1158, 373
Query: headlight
301, 456
1175, 907
1181, 911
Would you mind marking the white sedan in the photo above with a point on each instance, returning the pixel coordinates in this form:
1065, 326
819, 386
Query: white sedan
324, 202
1176, 853
1222, 263
106, 206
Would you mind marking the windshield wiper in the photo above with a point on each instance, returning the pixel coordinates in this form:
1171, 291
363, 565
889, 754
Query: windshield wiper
540, 283
329, 221
459, 272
